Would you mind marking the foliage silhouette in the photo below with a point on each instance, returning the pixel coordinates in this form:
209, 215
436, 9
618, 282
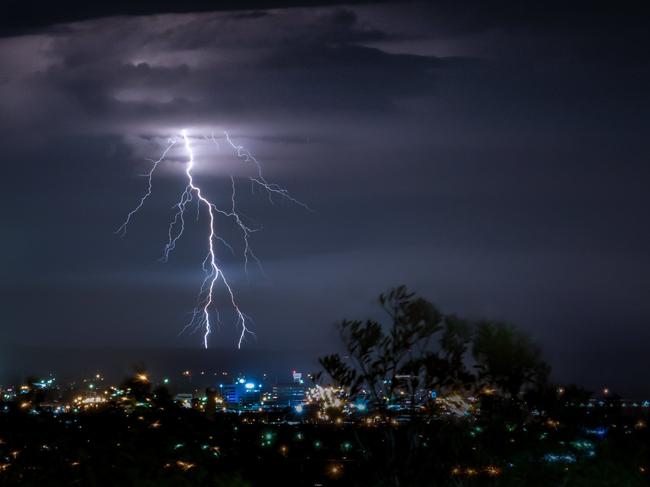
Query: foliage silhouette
421, 348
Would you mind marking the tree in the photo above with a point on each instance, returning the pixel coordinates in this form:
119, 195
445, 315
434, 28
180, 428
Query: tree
507, 358
418, 350
138, 385
421, 349
382, 360
454, 342
162, 397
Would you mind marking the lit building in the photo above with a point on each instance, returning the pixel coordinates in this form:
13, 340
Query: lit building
242, 393
287, 395
297, 377
184, 400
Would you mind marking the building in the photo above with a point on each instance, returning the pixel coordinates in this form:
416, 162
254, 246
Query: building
288, 395
184, 400
242, 393
297, 377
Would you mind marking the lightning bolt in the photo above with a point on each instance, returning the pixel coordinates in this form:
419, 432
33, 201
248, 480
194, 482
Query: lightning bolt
122, 229
260, 180
213, 272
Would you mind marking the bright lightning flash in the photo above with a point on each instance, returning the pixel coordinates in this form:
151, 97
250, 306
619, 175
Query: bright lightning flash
213, 272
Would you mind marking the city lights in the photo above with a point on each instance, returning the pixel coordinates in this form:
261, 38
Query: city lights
263, 405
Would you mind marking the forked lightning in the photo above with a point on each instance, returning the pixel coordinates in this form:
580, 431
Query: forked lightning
213, 272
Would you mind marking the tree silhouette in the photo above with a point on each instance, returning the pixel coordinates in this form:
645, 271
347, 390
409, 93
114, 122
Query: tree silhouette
422, 349
402, 356
506, 358
138, 385
162, 397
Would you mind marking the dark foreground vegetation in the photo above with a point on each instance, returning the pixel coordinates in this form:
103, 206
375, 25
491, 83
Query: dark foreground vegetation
424, 400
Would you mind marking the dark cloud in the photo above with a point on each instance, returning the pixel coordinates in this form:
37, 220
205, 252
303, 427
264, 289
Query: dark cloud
122, 71
27, 16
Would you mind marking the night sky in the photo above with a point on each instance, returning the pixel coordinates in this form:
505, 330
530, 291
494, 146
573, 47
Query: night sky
494, 159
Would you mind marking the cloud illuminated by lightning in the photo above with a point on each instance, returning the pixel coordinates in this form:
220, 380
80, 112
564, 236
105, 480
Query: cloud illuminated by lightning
213, 272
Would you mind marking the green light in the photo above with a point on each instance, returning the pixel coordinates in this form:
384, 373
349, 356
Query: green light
582, 445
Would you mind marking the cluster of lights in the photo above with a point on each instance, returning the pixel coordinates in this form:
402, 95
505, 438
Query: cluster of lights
489, 471
611, 404
182, 465
582, 445
267, 438
551, 423
334, 397
327, 397
456, 405
560, 458
599, 432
